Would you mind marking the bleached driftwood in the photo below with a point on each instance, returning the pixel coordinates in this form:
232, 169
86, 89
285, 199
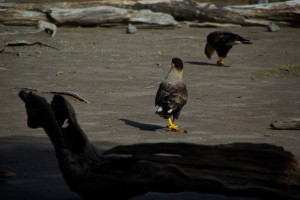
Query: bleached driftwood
109, 15
210, 24
263, 171
41, 25
62, 14
154, 18
21, 17
89, 16
287, 13
189, 10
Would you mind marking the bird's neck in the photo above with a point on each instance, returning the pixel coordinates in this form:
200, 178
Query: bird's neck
174, 76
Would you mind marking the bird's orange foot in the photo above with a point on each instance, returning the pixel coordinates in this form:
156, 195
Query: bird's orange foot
174, 128
220, 62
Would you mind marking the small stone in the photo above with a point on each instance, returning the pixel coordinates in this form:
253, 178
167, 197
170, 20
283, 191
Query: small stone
272, 27
131, 29
158, 64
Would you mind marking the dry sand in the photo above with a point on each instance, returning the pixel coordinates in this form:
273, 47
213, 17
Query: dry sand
119, 74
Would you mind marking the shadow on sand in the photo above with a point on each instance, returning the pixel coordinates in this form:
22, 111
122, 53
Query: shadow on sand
200, 63
204, 63
141, 126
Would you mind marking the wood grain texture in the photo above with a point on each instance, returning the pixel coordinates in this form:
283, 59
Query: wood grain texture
240, 169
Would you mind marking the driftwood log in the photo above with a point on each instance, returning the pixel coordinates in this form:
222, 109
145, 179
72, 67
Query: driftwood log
73, 14
109, 15
287, 13
292, 124
241, 169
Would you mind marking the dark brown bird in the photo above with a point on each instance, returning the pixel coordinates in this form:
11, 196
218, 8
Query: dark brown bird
222, 42
172, 94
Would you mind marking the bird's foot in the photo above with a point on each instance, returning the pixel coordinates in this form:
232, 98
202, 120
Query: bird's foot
220, 62
174, 128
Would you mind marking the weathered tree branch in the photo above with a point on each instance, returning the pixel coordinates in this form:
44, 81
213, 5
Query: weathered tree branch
28, 43
242, 169
66, 93
21, 17
292, 124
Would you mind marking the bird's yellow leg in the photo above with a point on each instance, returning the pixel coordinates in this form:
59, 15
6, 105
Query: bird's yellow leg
173, 126
220, 62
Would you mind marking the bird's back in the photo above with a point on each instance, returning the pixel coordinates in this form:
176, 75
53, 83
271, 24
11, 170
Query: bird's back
171, 98
225, 38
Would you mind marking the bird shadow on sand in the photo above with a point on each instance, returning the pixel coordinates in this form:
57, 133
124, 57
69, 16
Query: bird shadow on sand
200, 63
204, 63
141, 126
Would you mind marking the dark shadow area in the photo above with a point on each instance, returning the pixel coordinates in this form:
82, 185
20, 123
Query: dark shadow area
205, 63
200, 63
189, 196
37, 175
142, 126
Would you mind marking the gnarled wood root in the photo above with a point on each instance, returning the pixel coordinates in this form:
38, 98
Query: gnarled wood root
241, 169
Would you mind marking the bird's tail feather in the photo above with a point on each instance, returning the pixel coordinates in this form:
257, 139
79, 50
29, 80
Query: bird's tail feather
244, 41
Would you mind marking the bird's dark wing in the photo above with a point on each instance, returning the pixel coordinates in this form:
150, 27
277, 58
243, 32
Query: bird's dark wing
232, 38
171, 96
228, 38
181, 95
222, 41
214, 38
219, 38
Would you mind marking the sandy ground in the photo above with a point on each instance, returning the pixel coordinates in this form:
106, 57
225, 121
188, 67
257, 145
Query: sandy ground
119, 74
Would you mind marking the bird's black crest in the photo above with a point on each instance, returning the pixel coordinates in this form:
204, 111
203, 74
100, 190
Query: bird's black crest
178, 63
